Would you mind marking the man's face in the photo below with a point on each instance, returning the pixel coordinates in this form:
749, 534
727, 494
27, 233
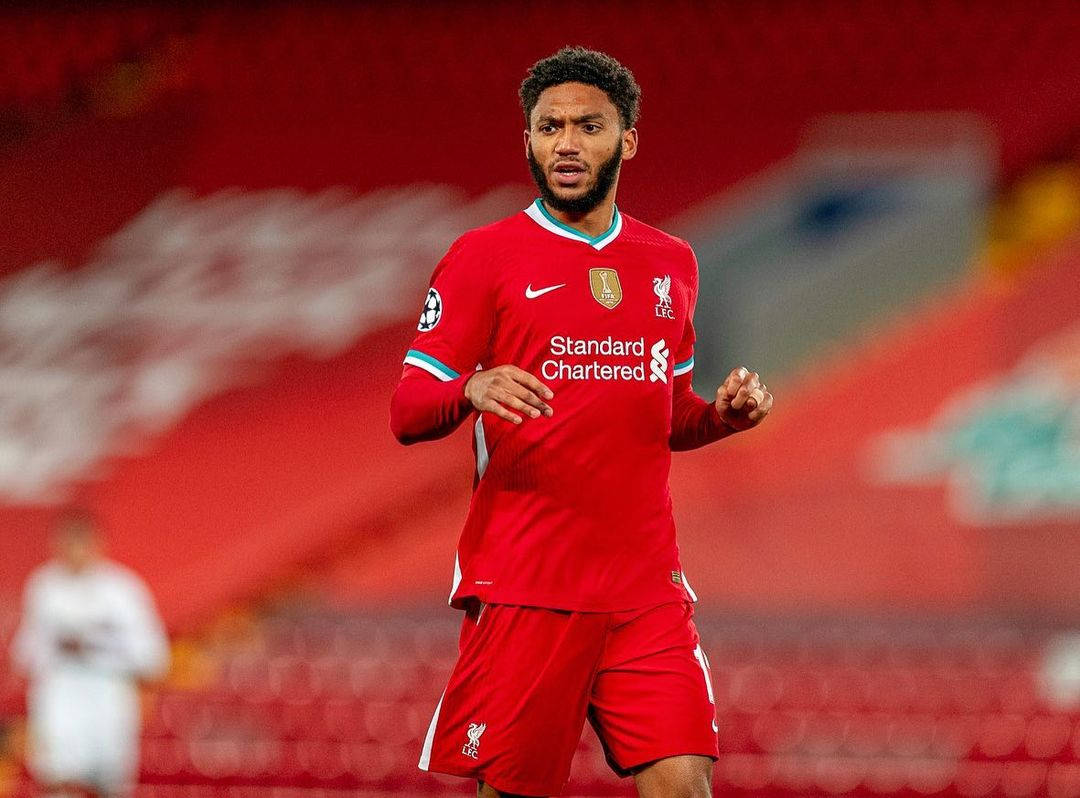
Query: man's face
575, 145
76, 543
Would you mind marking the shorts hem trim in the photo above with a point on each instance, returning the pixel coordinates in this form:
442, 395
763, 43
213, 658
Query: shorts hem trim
500, 785
640, 761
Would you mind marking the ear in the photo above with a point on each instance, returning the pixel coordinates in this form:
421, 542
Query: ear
629, 143
527, 139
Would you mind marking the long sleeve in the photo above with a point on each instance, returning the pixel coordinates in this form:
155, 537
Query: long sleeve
31, 647
694, 421
451, 340
424, 408
141, 649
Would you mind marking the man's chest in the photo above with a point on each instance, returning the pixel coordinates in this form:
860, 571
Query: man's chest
80, 604
593, 298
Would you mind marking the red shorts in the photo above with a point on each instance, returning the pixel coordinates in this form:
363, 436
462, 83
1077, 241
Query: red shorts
527, 678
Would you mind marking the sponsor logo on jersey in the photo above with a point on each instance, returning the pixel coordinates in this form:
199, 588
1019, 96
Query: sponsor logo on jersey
531, 294
612, 359
658, 366
472, 747
432, 311
661, 286
606, 288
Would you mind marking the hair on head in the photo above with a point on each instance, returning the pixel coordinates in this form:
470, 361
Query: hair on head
580, 65
76, 520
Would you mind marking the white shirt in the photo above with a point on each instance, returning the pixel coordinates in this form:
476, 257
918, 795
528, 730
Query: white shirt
107, 607
84, 706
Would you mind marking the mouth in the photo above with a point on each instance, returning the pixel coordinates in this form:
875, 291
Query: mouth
569, 174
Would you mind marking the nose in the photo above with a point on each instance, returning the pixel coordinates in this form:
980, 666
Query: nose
567, 143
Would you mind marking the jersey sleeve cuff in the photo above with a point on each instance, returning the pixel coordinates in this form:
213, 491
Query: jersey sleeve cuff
433, 366
685, 367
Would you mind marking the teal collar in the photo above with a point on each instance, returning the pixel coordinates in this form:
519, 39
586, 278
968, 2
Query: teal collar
539, 214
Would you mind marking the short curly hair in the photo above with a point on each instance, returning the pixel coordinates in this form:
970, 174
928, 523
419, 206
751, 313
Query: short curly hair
580, 65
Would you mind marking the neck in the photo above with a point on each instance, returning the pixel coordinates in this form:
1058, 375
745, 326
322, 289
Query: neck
593, 223
80, 566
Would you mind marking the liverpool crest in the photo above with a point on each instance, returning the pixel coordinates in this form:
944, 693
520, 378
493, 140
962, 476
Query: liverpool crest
472, 747
606, 288
661, 286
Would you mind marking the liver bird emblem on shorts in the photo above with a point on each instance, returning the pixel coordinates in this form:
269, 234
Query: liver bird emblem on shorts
474, 731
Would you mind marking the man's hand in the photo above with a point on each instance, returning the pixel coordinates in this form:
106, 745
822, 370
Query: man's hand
743, 400
72, 647
505, 388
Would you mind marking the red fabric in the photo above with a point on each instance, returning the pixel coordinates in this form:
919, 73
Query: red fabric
529, 675
426, 409
573, 511
694, 421
206, 529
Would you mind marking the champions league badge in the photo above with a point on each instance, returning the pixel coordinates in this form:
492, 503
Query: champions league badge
432, 311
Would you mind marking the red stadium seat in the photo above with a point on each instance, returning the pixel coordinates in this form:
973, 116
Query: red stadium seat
1024, 779
1002, 735
1047, 736
1063, 781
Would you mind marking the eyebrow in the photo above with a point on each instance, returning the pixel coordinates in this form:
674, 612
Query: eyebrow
577, 120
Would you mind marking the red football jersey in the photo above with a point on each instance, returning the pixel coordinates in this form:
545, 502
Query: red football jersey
574, 511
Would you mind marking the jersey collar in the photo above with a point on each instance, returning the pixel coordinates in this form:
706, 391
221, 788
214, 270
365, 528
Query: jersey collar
539, 214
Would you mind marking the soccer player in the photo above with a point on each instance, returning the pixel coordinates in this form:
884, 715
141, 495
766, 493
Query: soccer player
89, 632
567, 330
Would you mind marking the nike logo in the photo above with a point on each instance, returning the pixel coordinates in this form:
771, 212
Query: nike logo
530, 294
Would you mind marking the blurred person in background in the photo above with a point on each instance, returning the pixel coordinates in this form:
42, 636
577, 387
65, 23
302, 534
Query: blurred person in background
89, 634
568, 329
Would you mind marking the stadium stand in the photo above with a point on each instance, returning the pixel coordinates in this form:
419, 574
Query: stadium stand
49, 55
72, 187
285, 472
316, 700
302, 83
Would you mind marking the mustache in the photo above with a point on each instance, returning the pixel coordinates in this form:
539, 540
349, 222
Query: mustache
585, 166
602, 177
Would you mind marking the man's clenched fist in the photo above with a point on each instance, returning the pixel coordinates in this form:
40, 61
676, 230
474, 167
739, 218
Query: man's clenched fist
743, 400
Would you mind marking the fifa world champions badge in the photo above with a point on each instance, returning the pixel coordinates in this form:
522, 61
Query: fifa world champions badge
606, 288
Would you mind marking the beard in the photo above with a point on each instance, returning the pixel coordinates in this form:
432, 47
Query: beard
593, 196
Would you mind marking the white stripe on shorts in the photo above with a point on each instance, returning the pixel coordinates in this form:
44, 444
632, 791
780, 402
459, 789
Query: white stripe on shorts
425, 754
699, 655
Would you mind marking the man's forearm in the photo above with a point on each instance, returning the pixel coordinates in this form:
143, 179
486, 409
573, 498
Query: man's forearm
425, 409
694, 421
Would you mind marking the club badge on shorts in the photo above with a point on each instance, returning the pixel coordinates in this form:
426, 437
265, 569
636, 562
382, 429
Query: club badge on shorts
472, 747
606, 288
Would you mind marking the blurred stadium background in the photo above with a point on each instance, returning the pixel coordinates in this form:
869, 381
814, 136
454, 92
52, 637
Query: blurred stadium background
216, 225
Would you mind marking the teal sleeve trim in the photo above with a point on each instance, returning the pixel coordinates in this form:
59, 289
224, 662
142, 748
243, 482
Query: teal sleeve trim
685, 366
415, 357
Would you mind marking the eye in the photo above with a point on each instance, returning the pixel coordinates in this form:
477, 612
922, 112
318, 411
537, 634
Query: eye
591, 127
548, 128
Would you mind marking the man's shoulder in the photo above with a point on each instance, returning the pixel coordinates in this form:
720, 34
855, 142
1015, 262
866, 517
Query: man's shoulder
491, 236
120, 576
480, 249
44, 575
636, 231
